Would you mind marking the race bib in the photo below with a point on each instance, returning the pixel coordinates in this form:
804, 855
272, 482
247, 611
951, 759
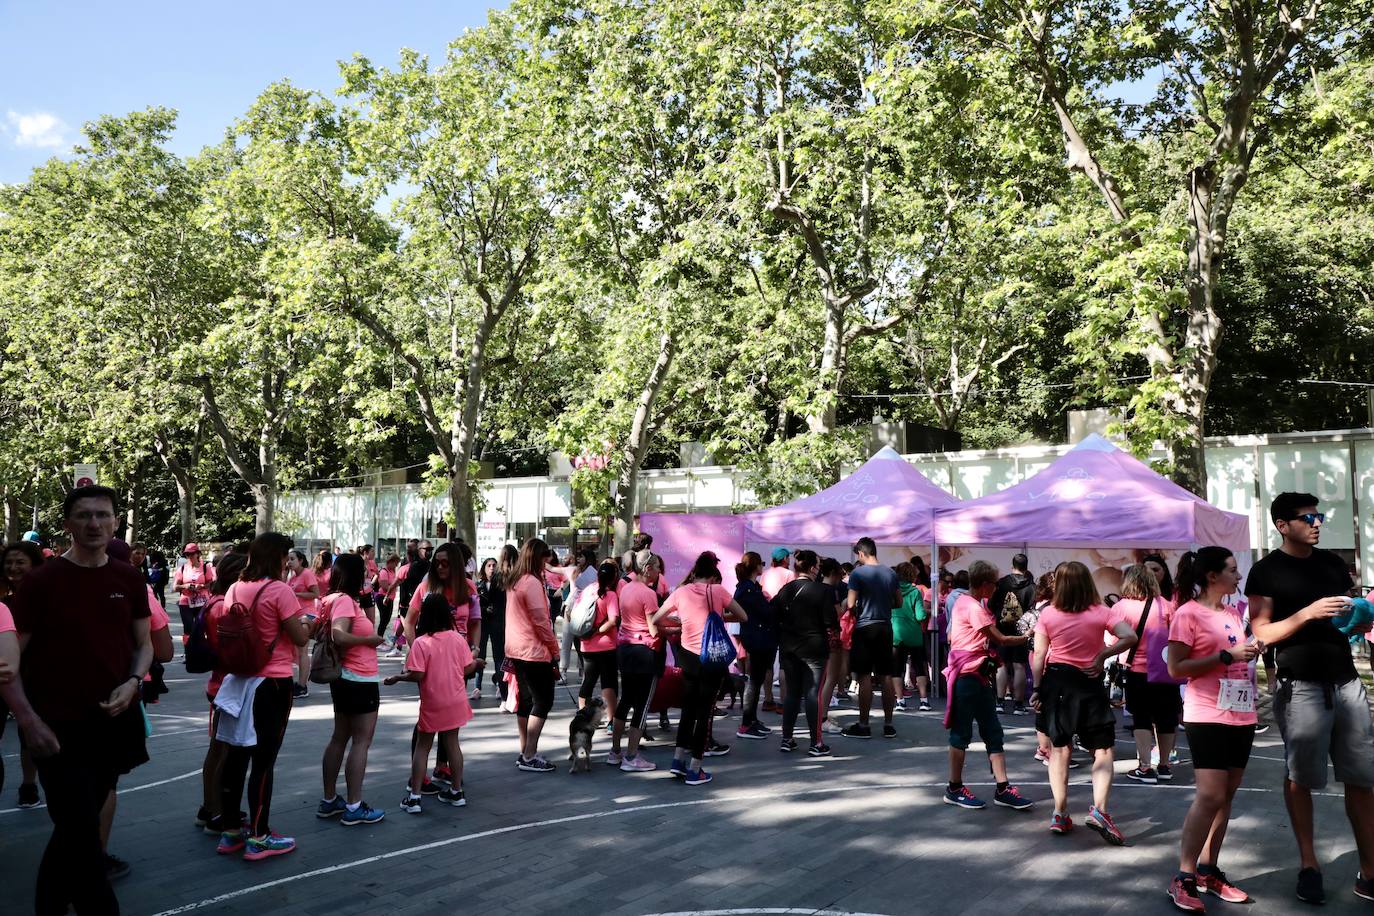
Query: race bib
198, 600
1236, 695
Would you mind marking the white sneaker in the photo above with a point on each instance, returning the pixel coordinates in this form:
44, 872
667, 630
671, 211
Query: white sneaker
834, 702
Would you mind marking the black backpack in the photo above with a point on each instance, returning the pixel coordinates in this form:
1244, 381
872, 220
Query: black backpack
200, 655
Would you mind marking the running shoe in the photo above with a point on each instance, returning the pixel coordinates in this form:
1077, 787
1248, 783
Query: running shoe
818, 750
763, 728
1060, 824
28, 795
830, 728
454, 797
535, 764
716, 749
923, 706
266, 846
637, 764
752, 732
963, 798
834, 702
677, 769
299, 693
443, 775
697, 777
1011, 797
1164, 773
1148, 775
1364, 887
332, 807
202, 816
1184, 894
614, 759
1019, 710
116, 868
1213, 881
1101, 823
231, 841
788, 745
364, 814
1261, 729
410, 803
429, 788
857, 731
889, 731
901, 704
1310, 886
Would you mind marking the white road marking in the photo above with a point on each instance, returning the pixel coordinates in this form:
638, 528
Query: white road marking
150, 785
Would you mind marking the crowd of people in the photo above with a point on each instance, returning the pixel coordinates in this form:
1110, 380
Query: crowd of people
83, 633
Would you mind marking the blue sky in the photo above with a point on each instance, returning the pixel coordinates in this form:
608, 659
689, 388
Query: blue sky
63, 63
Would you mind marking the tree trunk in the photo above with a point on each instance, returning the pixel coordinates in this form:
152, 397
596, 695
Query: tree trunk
822, 420
467, 401
14, 514
265, 488
133, 517
627, 483
186, 491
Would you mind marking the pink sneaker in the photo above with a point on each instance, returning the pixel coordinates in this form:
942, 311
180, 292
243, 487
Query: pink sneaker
637, 764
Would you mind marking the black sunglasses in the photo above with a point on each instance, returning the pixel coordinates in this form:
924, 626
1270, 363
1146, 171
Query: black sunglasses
1310, 518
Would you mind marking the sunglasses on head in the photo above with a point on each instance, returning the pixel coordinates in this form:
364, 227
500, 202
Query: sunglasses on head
1310, 518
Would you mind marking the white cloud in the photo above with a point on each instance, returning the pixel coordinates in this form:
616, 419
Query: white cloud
37, 129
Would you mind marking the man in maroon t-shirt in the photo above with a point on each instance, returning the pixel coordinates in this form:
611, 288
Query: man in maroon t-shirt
84, 633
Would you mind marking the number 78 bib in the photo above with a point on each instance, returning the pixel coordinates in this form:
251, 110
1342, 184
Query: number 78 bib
1236, 695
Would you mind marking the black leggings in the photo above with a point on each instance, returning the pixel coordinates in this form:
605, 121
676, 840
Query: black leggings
598, 666
188, 618
804, 678
271, 710
494, 634
639, 669
535, 682
760, 673
700, 687
384, 610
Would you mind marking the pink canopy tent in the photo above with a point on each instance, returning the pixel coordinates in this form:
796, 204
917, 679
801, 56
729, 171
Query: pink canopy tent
1095, 494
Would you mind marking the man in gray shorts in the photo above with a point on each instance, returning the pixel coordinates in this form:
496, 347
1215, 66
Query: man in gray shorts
1320, 704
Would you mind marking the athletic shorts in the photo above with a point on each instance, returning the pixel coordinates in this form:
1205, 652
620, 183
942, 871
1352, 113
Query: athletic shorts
917, 656
871, 651
975, 701
1321, 721
1014, 655
355, 698
1074, 704
1215, 746
1153, 707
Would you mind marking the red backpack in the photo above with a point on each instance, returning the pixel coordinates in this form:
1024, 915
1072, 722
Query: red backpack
239, 649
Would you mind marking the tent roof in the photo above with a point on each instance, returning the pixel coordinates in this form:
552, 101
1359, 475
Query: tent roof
886, 499
1093, 494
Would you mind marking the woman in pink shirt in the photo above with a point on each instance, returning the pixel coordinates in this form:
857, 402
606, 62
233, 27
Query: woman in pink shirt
638, 662
692, 604
307, 588
230, 567
282, 629
192, 583
599, 649
532, 649
356, 696
1070, 698
1208, 646
1153, 708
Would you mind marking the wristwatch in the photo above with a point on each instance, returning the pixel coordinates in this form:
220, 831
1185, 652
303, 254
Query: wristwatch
1226, 657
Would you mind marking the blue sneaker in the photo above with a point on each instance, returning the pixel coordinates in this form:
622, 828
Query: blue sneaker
266, 846
231, 841
697, 777
1011, 797
963, 798
363, 814
331, 808
677, 769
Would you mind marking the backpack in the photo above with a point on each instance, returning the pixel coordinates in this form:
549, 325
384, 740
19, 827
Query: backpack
582, 620
240, 649
326, 661
200, 656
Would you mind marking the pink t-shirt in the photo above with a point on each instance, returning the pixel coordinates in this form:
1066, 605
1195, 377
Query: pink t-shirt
691, 604
305, 581
199, 576
637, 603
966, 627
773, 579
1075, 639
6, 619
529, 631
160, 620
361, 660
443, 657
1161, 613
460, 620
607, 607
276, 603
1206, 632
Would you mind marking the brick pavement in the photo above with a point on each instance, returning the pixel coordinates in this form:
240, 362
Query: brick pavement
863, 831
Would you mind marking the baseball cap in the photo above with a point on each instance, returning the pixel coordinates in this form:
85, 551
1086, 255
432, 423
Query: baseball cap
781, 553
192, 547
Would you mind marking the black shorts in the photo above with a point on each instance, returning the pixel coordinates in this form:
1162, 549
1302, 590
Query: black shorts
634, 658
1014, 655
1153, 707
1074, 704
1220, 747
917, 657
600, 666
355, 698
871, 651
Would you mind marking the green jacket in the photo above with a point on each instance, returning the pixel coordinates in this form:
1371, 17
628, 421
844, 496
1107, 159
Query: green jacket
907, 619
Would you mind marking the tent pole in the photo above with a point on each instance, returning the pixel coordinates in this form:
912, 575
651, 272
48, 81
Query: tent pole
936, 682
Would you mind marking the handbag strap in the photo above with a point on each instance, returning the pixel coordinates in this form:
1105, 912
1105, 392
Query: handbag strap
1139, 631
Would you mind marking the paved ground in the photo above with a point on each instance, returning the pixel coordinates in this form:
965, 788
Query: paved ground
861, 832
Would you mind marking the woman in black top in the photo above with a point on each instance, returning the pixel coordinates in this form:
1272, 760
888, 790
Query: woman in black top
806, 621
760, 640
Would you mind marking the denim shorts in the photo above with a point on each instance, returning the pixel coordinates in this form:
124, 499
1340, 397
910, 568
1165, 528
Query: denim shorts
1321, 721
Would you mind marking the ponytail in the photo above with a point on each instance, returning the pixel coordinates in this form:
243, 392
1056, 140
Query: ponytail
1194, 568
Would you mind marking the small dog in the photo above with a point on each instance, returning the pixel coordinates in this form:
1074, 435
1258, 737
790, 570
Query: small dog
580, 733
732, 686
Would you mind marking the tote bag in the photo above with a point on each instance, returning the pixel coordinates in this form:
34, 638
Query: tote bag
1156, 647
717, 648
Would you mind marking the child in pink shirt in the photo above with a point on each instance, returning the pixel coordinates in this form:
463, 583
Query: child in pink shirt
439, 661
